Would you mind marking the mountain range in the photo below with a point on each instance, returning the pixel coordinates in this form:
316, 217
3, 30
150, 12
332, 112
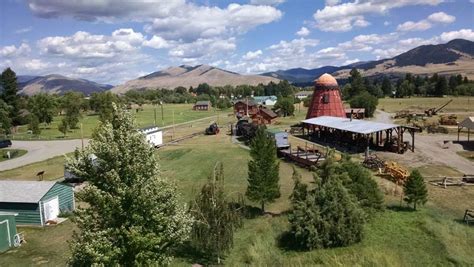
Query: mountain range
191, 76
454, 57
57, 84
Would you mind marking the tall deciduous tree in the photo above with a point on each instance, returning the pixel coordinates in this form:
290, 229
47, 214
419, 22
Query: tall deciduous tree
366, 101
263, 170
10, 94
43, 106
415, 189
215, 218
133, 216
71, 104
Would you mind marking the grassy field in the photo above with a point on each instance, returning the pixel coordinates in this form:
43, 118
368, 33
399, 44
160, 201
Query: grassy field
14, 153
53, 169
182, 113
459, 104
396, 237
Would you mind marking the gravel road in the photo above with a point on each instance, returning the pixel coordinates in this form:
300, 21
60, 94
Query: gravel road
39, 151
430, 149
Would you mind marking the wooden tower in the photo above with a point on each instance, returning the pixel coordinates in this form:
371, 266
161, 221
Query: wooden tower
326, 99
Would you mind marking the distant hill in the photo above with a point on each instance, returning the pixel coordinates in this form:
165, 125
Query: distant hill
57, 84
454, 57
300, 75
191, 76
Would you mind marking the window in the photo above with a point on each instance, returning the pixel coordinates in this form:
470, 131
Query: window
326, 98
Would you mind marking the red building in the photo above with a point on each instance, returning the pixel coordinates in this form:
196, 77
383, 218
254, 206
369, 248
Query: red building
326, 100
245, 107
264, 116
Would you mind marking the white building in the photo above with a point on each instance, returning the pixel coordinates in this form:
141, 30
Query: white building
303, 94
154, 135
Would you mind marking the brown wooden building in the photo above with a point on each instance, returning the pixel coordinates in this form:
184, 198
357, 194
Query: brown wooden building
202, 105
264, 116
245, 107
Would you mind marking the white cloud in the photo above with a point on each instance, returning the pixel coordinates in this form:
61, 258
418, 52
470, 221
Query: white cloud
35, 65
267, 2
386, 23
441, 17
467, 34
332, 2
345, 16
414, 26
202, 47
24, 30
303, 32
252, 55
156, 42
13, 51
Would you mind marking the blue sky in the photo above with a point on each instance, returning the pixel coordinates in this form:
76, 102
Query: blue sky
111, 41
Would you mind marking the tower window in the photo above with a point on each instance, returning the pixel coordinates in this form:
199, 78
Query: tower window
326, 98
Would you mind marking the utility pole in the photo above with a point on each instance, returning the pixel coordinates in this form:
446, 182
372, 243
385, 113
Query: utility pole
82, 137
162, 116
173, 126
155, 114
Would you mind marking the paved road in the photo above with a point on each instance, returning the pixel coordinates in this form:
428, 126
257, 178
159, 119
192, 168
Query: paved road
39, 151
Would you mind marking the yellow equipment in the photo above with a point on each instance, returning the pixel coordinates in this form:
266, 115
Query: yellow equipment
398, 174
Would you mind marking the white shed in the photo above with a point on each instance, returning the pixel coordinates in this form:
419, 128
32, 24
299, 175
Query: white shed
154, 135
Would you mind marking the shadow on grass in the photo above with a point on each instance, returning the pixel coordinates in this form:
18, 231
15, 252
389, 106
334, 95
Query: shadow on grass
461, 221
286, 241
400, 208
190, 254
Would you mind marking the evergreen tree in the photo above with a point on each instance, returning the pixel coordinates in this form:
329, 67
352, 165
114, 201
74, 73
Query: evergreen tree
441, 87
263, 170
362, 186
215, 219
326, 216
10, 94
415, 189
5, 120
357, 83
132, 216
387, 86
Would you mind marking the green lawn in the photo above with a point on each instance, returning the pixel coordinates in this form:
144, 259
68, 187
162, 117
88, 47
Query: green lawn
14, 153
53, 169
431, 236
182, 113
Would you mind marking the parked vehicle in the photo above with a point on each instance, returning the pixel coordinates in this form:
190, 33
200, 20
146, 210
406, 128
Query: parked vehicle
5, 143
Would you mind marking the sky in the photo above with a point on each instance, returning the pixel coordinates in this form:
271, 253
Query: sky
112, 41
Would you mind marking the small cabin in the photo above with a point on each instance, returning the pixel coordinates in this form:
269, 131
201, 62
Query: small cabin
281, 138
264, 116
202, 105
154, 135
36, 202
245, 106
8, 233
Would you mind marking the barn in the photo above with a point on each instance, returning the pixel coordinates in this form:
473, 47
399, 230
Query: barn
35, 202
153, 135
202, 105
7, 231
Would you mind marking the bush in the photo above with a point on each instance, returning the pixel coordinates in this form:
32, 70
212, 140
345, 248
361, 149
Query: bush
365, 100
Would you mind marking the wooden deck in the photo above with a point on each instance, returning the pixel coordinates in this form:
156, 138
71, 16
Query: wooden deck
303, 157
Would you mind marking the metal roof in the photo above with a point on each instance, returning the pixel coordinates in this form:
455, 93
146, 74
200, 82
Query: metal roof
345, 124
468, 123
202, 103
24, 191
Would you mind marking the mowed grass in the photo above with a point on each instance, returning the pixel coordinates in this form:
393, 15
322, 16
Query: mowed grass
14, 153
459, 104
53, 169
146, 117
432, 236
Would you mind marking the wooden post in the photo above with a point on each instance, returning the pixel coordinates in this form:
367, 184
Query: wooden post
412, 140
459, 129
468, 133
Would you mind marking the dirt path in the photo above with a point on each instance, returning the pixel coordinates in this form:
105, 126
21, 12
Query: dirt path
39, 151
429, 149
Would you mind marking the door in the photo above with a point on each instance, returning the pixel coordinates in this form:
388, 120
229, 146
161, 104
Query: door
51, 209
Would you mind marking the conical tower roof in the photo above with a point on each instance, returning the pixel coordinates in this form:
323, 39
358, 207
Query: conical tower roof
326, 99
326, 80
